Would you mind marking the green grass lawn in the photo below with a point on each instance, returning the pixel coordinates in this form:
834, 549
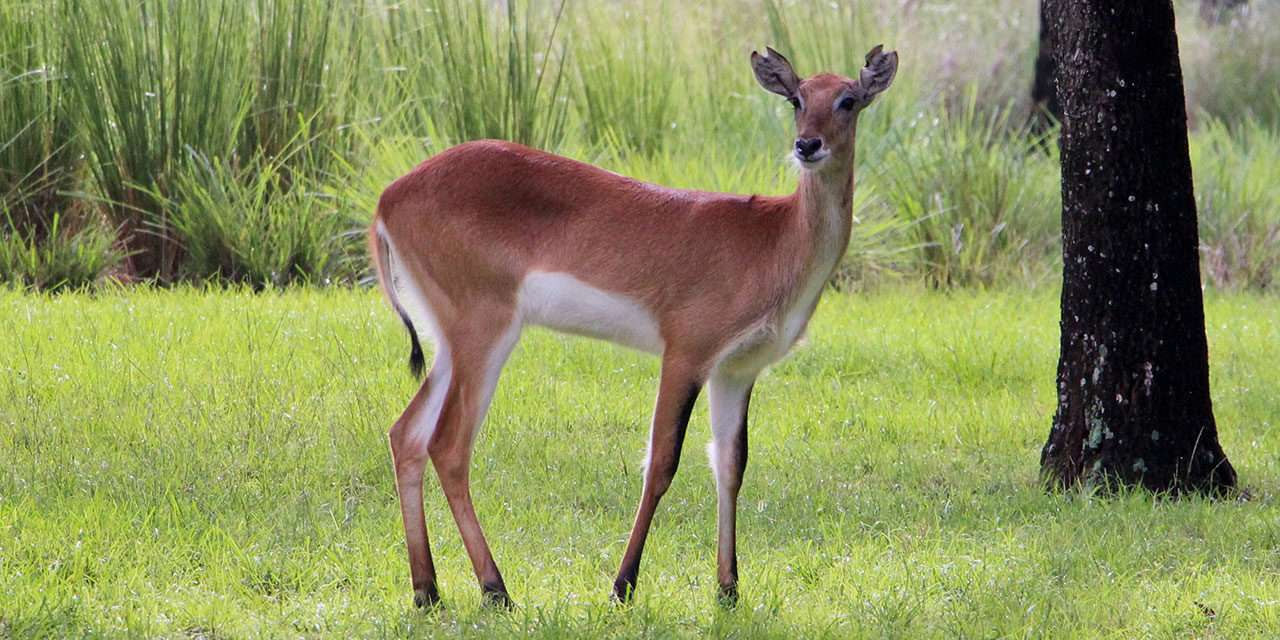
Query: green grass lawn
184, 463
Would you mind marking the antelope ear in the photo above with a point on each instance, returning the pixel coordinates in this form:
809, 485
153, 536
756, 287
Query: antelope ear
878, 74
774, 72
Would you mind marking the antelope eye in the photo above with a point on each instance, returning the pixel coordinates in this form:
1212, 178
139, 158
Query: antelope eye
795, 102
846, 104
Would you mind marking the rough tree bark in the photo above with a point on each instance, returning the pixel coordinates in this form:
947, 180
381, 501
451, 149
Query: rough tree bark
1133, 374
1044, 97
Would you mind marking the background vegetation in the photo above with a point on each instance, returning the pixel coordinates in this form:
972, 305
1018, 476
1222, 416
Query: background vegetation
213, 140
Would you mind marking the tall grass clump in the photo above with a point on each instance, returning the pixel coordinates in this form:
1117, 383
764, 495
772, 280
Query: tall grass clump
246, 223
157, 83
472, 71
149, 79
880, 244
627, 90
60, 255
981, 196
47, 240
1238, 202
307, 68
37, 153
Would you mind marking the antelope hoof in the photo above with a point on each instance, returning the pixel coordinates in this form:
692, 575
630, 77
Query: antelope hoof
727, 597
496, 597
623, 590
426, 598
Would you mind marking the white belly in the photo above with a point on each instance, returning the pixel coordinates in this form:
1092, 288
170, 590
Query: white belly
562, 302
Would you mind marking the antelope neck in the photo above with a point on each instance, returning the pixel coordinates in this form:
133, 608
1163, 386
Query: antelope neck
825, 203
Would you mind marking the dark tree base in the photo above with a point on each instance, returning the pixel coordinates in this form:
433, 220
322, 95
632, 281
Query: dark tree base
1110, 472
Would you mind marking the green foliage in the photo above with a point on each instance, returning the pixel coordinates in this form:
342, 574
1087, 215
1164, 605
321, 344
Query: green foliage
148, 80
981, 195
106, 102
47, 240
1238, 201
306, 73
1232, 69
186, 463
153, 80
947, 50
245, 223
833, 36
880, 244
628, 86
57, 257
474, 72
37, 154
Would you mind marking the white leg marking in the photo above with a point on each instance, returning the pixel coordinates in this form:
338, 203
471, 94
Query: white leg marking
728, 397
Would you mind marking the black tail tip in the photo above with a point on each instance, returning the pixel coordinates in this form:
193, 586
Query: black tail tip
416, 361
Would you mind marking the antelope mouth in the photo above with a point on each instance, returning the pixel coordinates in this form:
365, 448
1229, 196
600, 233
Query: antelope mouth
814, 161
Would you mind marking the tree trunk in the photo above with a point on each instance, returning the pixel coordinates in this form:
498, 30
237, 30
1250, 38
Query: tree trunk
1133, 374
1044, 96
1218, 11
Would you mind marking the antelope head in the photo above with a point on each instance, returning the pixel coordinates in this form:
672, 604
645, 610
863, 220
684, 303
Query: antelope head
826, 105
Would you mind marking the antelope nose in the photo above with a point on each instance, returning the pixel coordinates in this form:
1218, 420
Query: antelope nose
806, 147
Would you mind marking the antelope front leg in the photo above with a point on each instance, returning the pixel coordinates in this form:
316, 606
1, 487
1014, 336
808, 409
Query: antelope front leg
677, 391
729, 397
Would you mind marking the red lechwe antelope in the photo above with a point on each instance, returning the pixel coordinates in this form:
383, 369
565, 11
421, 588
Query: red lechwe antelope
487, 237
